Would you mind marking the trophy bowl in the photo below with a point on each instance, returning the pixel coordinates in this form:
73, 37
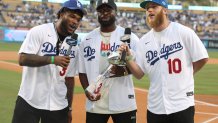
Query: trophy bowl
115, 59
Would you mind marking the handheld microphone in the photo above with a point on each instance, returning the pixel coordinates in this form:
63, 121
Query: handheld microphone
71, 42
125, 39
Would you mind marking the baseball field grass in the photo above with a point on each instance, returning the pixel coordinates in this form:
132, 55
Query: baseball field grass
206, 82
9, 46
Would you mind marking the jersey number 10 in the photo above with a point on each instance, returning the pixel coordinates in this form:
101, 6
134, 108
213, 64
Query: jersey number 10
174, 66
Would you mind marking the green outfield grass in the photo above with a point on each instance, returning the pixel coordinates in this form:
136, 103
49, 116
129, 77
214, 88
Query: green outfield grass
9, 85
213, 53
12, 46
206, 80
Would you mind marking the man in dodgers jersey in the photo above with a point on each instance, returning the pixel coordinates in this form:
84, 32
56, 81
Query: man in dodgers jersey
48, 74
170, 54
117, 97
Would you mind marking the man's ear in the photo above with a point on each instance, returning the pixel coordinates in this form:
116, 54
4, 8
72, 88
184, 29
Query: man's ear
61, 14
165, 11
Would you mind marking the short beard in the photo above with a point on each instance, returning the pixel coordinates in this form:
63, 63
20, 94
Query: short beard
63, 26
158, 20
107, 23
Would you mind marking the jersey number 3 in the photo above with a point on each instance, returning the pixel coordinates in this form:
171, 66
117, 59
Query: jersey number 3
174, 66
62, 73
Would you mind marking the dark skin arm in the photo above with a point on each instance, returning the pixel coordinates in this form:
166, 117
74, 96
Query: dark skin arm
84, 82
33, 60
199, 64
70, 83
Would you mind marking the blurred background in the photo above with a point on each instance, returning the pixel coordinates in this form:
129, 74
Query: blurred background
18, 16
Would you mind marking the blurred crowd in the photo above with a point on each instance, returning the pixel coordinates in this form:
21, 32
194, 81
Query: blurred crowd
29, 14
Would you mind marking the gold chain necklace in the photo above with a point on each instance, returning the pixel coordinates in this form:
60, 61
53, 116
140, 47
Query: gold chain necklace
105, 37
108, 34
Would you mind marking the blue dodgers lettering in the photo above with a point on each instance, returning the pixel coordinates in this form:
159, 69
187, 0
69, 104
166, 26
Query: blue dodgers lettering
63, 51
48, 48
170, 49
114, 47
72, 54
152, 56
89, 53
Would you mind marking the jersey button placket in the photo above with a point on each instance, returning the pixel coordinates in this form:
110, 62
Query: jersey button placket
163, 85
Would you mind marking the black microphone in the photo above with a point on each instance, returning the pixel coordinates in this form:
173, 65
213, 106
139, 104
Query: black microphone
72, 42
126, 39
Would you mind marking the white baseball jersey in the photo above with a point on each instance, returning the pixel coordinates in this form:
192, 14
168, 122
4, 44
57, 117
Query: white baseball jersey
44, 87
121, 95
167, 58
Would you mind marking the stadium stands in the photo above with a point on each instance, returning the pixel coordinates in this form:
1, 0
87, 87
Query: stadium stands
16, 14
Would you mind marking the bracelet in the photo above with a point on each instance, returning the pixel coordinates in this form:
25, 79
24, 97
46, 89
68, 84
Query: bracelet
52, 59
70, 109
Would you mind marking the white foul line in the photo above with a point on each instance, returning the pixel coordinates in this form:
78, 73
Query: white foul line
9, 63
210, 120
207, 113
204, 103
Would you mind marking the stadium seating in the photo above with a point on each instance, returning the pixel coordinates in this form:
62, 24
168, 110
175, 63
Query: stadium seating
16, 13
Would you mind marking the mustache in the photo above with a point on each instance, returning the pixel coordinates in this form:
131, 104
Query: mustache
107, 23
74, 26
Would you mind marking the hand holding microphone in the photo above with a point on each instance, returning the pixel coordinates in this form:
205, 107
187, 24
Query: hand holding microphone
125, 39
65, 60
61, 61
